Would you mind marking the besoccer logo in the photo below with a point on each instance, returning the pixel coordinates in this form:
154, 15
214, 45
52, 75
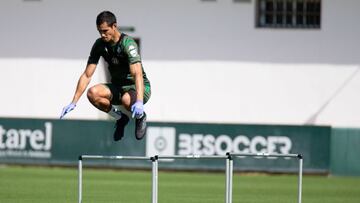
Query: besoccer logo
160, 141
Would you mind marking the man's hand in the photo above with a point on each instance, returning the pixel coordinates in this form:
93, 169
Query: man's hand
137, 109
67, 109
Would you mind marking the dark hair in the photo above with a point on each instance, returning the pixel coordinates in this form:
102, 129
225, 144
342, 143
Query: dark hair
105, 16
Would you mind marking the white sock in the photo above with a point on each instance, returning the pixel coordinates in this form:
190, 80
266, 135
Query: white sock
115, 113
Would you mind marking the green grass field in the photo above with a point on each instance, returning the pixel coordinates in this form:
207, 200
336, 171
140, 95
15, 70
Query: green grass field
59, 185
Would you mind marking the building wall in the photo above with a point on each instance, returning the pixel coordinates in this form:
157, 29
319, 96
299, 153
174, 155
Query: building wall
206, 60
179, 30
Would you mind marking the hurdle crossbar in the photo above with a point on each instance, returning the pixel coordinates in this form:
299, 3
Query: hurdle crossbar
193, 156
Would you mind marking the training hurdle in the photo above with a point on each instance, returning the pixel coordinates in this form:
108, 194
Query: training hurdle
228, 169
154, 170
229, 157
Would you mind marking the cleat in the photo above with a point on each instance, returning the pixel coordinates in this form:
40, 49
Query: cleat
140, 127
120, 126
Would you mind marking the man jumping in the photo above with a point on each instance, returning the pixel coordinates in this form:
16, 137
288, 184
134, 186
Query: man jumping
129, 85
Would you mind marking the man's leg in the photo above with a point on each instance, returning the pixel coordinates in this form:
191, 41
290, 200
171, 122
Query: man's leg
101, 97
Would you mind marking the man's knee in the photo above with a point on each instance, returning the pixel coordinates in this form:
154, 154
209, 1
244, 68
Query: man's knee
92, 93
126, 101
128, 98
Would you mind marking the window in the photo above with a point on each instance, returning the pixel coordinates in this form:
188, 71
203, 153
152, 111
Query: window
289, 14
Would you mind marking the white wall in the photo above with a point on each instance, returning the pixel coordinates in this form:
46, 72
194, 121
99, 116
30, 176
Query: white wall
207, 62
207, 91
234, 92
41, 87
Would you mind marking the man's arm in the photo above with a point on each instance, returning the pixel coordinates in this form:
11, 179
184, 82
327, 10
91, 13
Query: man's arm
83, 82
136, 72
138, 107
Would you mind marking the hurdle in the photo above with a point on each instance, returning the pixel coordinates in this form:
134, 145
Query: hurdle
155, 160
228, 168
154, 171
231, 157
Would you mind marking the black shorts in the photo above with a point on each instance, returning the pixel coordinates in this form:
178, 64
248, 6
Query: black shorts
118, 90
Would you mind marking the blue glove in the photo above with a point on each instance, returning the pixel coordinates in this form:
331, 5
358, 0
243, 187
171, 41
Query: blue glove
137, 109
67, 109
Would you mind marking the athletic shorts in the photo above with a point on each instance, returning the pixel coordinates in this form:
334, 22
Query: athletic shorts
117, 91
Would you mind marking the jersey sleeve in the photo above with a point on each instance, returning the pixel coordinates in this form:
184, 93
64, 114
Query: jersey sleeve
131, 50
95, 53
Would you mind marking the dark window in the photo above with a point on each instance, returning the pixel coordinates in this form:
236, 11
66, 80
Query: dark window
289, 13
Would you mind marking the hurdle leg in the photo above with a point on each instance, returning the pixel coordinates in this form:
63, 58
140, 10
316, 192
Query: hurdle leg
80, 179
154, 179
229, 177
300, 178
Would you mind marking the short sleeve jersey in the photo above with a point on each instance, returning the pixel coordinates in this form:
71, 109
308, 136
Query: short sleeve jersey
119, 58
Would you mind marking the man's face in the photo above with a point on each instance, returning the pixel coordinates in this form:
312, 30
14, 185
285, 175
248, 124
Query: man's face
107, 32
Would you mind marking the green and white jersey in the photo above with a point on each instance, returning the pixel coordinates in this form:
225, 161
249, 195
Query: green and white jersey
119, 58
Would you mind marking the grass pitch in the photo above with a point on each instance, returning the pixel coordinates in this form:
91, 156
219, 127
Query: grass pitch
59, 185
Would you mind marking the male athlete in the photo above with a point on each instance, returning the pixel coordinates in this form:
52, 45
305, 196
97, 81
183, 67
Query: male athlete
129, 85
